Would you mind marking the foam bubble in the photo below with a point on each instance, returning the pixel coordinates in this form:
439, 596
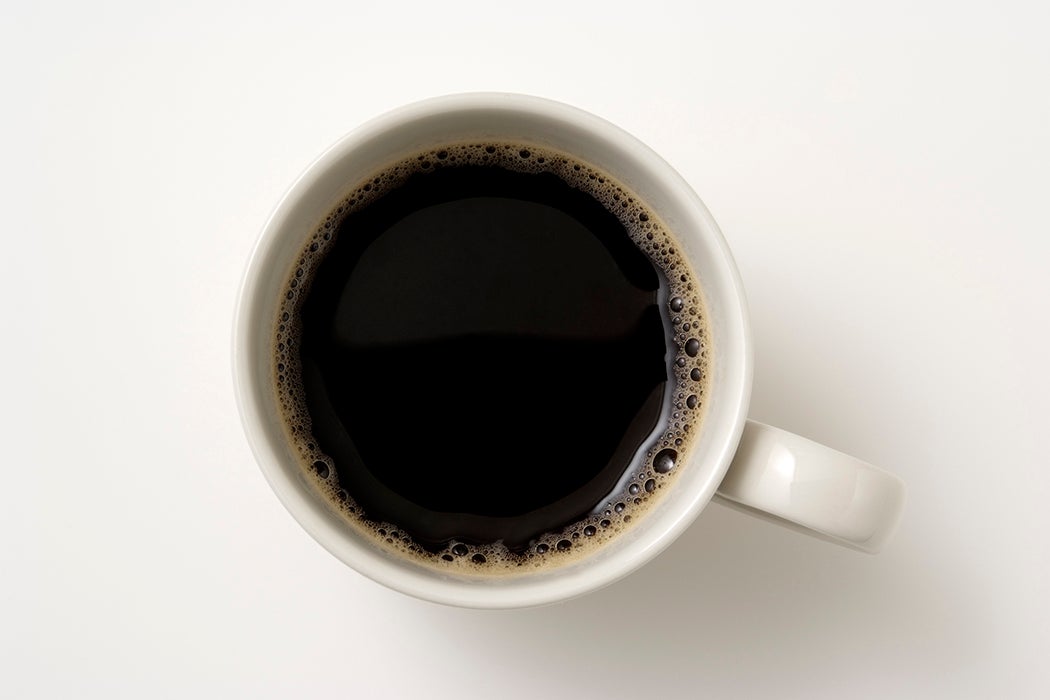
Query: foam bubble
665, 460
654, 468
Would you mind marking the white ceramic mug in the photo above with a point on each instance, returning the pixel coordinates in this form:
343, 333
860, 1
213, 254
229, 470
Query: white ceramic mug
763, 470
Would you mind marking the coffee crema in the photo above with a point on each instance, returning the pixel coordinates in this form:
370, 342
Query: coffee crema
490, 357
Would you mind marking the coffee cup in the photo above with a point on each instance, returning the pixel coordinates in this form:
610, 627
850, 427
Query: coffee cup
719, 453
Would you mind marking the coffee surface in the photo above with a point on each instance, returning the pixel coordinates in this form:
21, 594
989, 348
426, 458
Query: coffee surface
491, 356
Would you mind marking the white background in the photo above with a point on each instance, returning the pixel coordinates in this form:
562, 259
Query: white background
881, 173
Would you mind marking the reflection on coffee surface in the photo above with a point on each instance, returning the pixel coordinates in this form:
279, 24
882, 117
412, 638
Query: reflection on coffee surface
491, 356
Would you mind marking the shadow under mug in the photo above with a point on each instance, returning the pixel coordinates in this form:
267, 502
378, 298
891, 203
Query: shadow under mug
757, 468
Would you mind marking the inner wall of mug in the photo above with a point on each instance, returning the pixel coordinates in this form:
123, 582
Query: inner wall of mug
527, 120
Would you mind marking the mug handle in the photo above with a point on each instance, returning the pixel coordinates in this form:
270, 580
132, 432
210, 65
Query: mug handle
787, 479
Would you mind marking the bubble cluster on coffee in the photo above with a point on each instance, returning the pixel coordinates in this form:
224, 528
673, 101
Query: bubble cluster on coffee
659, 461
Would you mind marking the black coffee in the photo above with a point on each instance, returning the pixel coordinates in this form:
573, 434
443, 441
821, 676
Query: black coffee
491, 355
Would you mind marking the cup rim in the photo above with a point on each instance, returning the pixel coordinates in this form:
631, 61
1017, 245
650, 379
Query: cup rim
512, 592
